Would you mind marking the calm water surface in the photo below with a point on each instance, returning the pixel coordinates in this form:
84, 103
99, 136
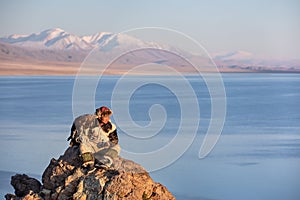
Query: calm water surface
257, 156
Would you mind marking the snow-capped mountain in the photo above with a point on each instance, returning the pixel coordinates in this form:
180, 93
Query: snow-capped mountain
58, 45
49, 39
58, 39
248, 60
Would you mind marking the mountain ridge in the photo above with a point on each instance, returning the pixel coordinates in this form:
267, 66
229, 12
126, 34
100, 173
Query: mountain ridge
58, 39
58, 46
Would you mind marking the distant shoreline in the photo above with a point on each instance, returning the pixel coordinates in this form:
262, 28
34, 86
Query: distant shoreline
72, 69
120, 74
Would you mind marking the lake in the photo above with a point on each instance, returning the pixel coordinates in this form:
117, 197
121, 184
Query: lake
256, 157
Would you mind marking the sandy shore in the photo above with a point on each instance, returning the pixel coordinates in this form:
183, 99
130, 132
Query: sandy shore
65, 69
18, 69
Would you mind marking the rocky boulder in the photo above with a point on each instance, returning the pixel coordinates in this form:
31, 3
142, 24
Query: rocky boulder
65, 179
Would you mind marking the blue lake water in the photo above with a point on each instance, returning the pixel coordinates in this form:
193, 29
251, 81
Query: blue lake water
256, 157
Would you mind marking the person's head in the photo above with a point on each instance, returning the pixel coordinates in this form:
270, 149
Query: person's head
104, 114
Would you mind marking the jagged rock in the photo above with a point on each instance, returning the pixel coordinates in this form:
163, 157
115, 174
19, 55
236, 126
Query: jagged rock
65, 179
30, 196
23, 185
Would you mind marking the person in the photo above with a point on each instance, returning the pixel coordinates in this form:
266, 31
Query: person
103, 115
97, 139
109, 138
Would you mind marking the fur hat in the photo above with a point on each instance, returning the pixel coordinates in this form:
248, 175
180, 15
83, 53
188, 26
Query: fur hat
103, 111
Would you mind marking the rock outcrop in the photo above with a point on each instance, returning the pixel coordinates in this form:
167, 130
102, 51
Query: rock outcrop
65, 179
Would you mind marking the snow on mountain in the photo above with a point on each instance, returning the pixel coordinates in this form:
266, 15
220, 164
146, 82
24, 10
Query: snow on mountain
121, 41
97, 38
248, 60
58, 39
49, 39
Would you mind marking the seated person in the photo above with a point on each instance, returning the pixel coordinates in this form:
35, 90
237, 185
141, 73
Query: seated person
96, 137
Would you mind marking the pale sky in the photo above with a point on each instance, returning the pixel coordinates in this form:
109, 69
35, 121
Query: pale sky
269, 28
